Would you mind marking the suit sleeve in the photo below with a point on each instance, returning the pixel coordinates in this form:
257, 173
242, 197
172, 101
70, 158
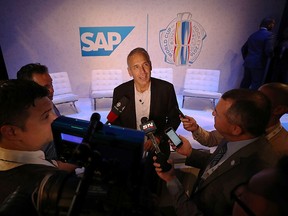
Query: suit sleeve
182, 203
198, 159
206, 138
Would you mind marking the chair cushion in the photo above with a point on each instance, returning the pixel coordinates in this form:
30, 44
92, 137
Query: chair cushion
102, 94
105, 79
61, 83
163, 74
202, 79
65, 98
202, 94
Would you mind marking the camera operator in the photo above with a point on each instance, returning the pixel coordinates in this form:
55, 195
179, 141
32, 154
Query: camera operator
26, 115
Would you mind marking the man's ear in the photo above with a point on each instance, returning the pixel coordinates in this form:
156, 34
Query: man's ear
236, 130
129, 72
8, 131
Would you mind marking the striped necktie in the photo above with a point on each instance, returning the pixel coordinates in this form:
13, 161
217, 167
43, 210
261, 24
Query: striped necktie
219, 152
222, 150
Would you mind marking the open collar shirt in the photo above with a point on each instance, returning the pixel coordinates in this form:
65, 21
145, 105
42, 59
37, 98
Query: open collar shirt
12, 158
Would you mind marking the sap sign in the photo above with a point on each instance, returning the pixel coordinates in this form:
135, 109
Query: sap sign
102, 41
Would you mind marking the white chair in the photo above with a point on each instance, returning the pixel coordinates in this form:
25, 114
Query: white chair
163, 73
62, 89
201, 83
103, 83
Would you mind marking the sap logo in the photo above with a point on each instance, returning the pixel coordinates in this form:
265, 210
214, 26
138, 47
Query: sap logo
102, 41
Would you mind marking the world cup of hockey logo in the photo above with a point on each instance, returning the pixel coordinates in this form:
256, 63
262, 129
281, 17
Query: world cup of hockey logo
181, 41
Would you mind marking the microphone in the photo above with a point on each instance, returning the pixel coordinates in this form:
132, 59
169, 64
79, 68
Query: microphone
93, 125
117, 109
149, 128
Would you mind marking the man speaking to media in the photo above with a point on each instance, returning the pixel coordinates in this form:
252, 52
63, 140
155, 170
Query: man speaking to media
148, 97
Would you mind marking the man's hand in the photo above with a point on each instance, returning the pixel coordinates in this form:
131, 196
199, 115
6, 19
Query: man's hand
185, 149
166, 176
148, 145
189, 123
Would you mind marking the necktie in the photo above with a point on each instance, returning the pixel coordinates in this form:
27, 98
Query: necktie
222, 150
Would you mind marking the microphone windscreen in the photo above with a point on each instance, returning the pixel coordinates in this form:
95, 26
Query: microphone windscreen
144, 120
147, 126
95, 117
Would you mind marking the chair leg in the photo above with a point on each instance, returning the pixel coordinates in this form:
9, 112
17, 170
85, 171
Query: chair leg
214, 103
94, 103
73, 103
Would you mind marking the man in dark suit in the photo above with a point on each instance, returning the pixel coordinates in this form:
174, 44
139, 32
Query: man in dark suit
240, 117
256, 52
148, 97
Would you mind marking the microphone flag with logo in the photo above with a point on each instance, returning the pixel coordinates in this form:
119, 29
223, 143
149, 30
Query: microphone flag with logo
149, 128
117, 109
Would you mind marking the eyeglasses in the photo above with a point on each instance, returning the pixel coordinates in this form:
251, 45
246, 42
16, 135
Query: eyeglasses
235, 195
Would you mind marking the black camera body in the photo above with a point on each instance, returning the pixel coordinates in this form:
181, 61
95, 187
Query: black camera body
111, 157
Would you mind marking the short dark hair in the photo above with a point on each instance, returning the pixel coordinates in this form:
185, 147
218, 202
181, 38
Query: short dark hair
266, 22
16, 96
139, 50
250, 110
26, 72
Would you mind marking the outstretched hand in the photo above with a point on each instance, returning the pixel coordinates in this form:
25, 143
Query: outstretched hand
189, 123
166, 176
185, 149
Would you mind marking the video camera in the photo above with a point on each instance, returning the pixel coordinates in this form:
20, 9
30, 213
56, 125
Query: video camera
112, 160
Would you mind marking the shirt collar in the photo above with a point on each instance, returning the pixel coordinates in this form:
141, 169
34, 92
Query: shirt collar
13, 158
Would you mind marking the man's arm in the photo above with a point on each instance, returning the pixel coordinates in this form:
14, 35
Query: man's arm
184, 206
204, 137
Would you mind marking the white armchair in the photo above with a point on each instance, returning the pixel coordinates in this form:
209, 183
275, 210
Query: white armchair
103, 83
201, 83
163, 73
62, 89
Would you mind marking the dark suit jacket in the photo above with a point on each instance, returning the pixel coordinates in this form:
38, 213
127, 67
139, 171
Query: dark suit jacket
162, 108
213, 195
258, 48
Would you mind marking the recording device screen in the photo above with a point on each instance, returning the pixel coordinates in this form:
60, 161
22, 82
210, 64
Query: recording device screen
71, 138
173, 137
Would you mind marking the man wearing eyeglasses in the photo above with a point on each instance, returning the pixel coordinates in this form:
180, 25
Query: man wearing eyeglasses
240, 116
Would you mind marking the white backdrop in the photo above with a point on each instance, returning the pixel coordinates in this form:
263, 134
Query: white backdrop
48, 32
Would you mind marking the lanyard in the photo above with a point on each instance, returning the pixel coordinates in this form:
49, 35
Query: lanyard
274, 132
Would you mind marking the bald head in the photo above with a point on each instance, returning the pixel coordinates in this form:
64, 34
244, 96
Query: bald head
277, 94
